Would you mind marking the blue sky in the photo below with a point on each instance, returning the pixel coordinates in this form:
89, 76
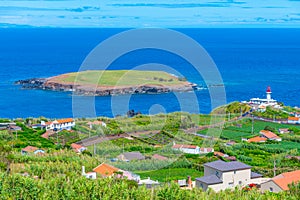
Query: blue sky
151, 13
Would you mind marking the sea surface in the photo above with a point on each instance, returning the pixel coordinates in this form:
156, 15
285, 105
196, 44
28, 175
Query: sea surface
249, 60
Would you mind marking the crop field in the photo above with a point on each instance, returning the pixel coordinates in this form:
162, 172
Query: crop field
243, 129
164, 175
118, 78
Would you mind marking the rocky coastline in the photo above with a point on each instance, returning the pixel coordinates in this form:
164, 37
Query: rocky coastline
92, 90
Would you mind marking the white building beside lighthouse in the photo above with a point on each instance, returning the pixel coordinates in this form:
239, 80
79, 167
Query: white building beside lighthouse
265, 102
261, 104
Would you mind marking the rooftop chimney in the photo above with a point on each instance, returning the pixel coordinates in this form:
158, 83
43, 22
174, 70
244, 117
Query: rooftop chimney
190, 183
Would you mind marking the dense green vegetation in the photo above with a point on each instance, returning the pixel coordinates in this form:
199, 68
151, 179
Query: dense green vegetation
57, 174
232, 108
165, 175
272, 113
18, 187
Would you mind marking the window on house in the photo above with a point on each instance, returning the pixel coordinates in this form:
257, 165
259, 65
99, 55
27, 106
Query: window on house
271, 189
240, 182
234, 172
201, 185
230, 184
217, 174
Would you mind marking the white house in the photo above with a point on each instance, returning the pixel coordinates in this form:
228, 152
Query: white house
148, 183
220, 175
91, 175
78, 148
190, 149
283, 130
204, 150
62, 124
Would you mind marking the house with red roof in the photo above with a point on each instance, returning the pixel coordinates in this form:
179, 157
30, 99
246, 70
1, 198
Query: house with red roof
281, 182
106, 170
159, 157
78, 148
32, 150
257, 139
62, 124
293, 120
270, 135
220, 154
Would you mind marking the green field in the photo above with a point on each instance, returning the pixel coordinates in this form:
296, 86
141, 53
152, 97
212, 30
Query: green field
118, 78
163, 175
243, 129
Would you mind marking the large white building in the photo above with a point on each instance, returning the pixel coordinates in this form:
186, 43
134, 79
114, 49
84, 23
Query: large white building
62, 124
220, 175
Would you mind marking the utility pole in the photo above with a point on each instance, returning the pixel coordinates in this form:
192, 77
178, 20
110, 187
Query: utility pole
57, 137
94, 149
274, 164
252, 131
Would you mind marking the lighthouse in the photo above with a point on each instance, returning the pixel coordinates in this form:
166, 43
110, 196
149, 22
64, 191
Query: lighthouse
269, 94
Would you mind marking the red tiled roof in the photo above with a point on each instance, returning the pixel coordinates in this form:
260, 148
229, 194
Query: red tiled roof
159, 157
185, 146
220, 154
61, 121
269, 134
30, 149
293, 118
283, 180
76, 146
257, 139
105, 170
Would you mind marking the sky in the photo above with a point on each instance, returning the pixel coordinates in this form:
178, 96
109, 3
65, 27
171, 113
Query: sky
150, 13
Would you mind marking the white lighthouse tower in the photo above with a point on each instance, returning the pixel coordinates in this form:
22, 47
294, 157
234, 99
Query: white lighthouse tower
269, 92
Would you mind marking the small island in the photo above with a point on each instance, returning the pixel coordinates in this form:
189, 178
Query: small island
111, 82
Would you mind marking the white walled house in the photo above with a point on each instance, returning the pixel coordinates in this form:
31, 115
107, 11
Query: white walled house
90, 175
190, 149
204, 150
62, 124
220, 175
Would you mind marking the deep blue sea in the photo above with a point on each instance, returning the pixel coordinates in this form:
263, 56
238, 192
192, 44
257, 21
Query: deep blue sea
249, 60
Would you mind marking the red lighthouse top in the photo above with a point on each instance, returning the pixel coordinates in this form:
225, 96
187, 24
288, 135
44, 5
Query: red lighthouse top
269, 89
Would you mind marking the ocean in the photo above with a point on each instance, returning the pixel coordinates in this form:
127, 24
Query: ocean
249, 60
